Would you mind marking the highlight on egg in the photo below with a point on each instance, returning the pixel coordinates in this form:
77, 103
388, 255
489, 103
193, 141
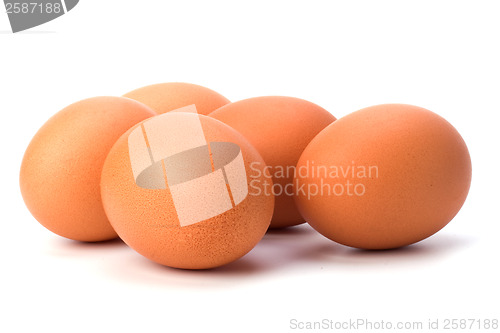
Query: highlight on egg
383, 177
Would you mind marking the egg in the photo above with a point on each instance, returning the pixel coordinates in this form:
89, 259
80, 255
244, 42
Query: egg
280, 128
61, 168
383, 177
165, 97
181, 189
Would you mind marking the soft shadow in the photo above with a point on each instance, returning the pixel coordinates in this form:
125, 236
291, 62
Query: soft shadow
301, 229
433, 248
278, 250
298, 248
63, 247
139, 270
241, 267
292, 246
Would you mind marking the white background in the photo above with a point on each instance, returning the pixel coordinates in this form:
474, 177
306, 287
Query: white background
342, 55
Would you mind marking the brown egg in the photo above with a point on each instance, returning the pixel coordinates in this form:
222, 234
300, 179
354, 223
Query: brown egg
165, 97
61, 169
383, 177
176, 188
280, 128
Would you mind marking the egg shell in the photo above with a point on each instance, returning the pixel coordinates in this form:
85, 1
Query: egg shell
165, 97
280, 128
147, 218
417, 173
61, 169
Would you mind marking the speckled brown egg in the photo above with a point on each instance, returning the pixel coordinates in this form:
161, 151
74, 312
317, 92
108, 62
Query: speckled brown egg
165, 97
280, 128
61, 169
177, 188
383, 177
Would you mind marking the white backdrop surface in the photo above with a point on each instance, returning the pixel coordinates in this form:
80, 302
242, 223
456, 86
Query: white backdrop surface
342, 55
